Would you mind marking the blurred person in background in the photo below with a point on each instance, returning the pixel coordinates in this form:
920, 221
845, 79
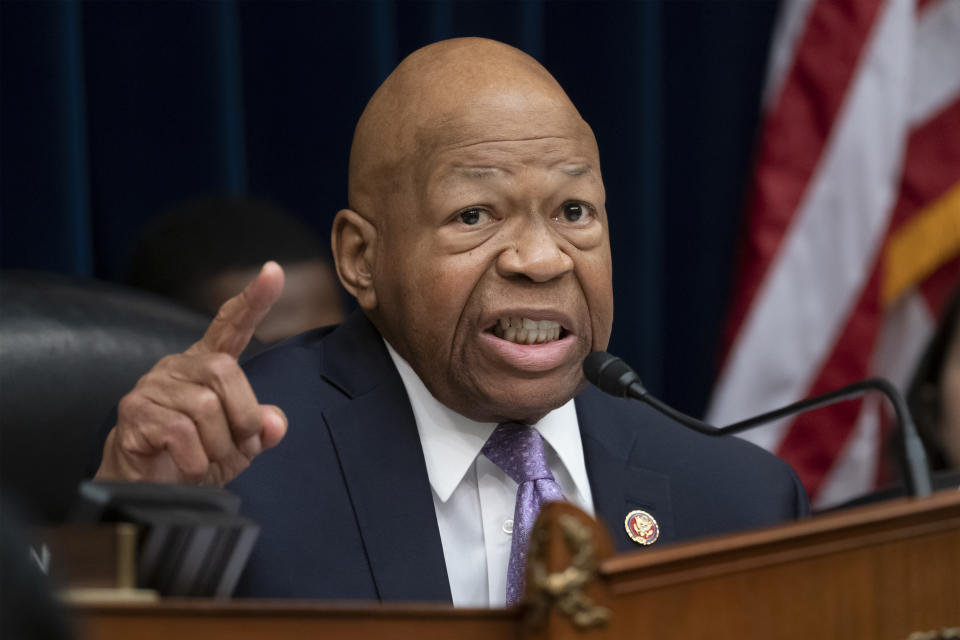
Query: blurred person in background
934, 393
203, 251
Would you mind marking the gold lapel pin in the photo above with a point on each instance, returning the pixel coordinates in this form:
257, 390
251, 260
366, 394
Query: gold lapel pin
641, 527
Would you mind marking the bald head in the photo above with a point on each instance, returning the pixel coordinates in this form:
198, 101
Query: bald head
446, 94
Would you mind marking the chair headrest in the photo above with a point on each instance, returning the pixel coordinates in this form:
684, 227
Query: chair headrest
69, 349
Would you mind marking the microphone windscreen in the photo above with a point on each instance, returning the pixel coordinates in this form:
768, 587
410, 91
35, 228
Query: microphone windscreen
609, 373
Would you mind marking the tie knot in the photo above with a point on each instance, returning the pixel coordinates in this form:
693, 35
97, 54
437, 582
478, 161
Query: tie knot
518, 450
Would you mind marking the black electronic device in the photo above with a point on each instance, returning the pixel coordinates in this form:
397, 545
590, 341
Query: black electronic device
192, 540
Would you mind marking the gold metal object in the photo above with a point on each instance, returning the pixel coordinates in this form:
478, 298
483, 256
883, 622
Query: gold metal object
947, 633
641, 527
97, 595
565, 589
126, 556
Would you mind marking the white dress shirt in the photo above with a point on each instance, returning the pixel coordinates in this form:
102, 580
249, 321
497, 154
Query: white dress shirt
474, 498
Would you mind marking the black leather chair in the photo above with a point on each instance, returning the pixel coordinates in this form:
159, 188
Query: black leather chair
69, 349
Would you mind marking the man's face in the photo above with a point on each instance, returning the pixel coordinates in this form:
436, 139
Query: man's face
493, 274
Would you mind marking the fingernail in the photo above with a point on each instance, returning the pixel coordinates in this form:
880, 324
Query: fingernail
280, 414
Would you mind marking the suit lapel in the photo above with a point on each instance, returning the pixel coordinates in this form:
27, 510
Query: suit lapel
380, 454
613, 452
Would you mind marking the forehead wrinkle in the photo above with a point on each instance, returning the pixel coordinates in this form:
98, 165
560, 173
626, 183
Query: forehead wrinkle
491, 155
575, 171
467, 145
478, 172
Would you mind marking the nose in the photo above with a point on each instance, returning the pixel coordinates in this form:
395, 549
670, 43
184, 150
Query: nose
533, 252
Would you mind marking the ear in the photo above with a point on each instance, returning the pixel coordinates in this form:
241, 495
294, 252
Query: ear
354, 243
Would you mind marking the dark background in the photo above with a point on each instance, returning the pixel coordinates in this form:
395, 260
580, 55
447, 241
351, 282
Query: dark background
111, 111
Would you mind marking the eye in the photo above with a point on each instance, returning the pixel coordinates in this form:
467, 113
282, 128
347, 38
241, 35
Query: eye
575, 211
471, 216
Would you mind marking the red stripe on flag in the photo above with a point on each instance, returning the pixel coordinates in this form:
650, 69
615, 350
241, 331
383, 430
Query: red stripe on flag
814, 439
931, 163
886, 472
924, 5
795, 133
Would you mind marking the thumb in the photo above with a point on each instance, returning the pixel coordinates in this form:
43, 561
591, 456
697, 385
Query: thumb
233, 327
273, 426
273, 423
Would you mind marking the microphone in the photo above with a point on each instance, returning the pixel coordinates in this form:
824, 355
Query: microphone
614, 376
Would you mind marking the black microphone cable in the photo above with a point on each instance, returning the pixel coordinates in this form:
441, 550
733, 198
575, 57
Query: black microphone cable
614, 376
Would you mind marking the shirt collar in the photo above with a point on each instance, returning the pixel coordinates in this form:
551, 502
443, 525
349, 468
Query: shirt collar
451, 442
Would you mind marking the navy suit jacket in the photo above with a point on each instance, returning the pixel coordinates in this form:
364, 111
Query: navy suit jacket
346, 509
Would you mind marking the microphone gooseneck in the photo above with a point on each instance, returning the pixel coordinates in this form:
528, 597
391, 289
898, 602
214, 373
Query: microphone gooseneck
614, 376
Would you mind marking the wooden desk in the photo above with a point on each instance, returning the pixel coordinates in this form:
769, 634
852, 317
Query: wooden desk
240, 620
877, 572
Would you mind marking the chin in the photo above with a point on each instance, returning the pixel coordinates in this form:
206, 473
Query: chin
528, 403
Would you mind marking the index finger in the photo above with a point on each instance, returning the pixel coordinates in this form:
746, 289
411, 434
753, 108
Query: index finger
237, 319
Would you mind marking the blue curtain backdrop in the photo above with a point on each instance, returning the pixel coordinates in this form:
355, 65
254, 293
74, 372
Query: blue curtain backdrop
111, 111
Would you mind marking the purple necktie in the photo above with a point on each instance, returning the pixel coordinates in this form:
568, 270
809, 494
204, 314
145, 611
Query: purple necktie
518, 450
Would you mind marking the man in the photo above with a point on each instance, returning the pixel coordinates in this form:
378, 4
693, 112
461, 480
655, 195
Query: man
476, 245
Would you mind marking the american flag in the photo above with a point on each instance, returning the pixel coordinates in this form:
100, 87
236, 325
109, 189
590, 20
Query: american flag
852, 242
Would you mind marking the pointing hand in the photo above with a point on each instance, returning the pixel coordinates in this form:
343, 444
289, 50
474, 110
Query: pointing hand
194, 418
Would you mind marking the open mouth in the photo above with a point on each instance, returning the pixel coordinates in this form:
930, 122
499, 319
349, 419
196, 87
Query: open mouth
526, 331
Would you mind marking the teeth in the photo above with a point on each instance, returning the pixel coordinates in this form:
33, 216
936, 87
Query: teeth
526, 331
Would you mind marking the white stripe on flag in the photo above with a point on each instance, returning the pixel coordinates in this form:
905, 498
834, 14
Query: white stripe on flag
936, 70
825, 258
